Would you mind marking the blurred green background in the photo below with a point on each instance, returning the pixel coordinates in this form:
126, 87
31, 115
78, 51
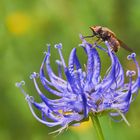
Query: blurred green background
26, 26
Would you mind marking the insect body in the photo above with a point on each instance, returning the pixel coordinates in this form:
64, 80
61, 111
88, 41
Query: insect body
105, 34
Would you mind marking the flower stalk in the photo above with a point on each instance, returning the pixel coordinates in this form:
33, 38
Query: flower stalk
97, 126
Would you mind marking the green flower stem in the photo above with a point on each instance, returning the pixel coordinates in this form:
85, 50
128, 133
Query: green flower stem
97, 127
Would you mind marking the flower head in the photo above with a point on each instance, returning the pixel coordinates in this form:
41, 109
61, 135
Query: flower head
83, 91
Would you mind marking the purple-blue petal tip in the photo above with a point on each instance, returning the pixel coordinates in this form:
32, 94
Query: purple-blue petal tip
34, 75
58, 46
20, 84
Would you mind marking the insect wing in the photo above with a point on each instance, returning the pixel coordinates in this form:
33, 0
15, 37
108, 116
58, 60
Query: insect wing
123, 45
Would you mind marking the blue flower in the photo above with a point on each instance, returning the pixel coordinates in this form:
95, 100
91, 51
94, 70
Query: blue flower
82, 91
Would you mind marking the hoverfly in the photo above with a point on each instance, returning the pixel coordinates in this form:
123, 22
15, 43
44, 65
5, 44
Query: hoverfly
105, 34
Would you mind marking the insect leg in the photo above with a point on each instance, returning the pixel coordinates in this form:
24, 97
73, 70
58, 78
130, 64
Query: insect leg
88, 36
99, 40
94, 34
